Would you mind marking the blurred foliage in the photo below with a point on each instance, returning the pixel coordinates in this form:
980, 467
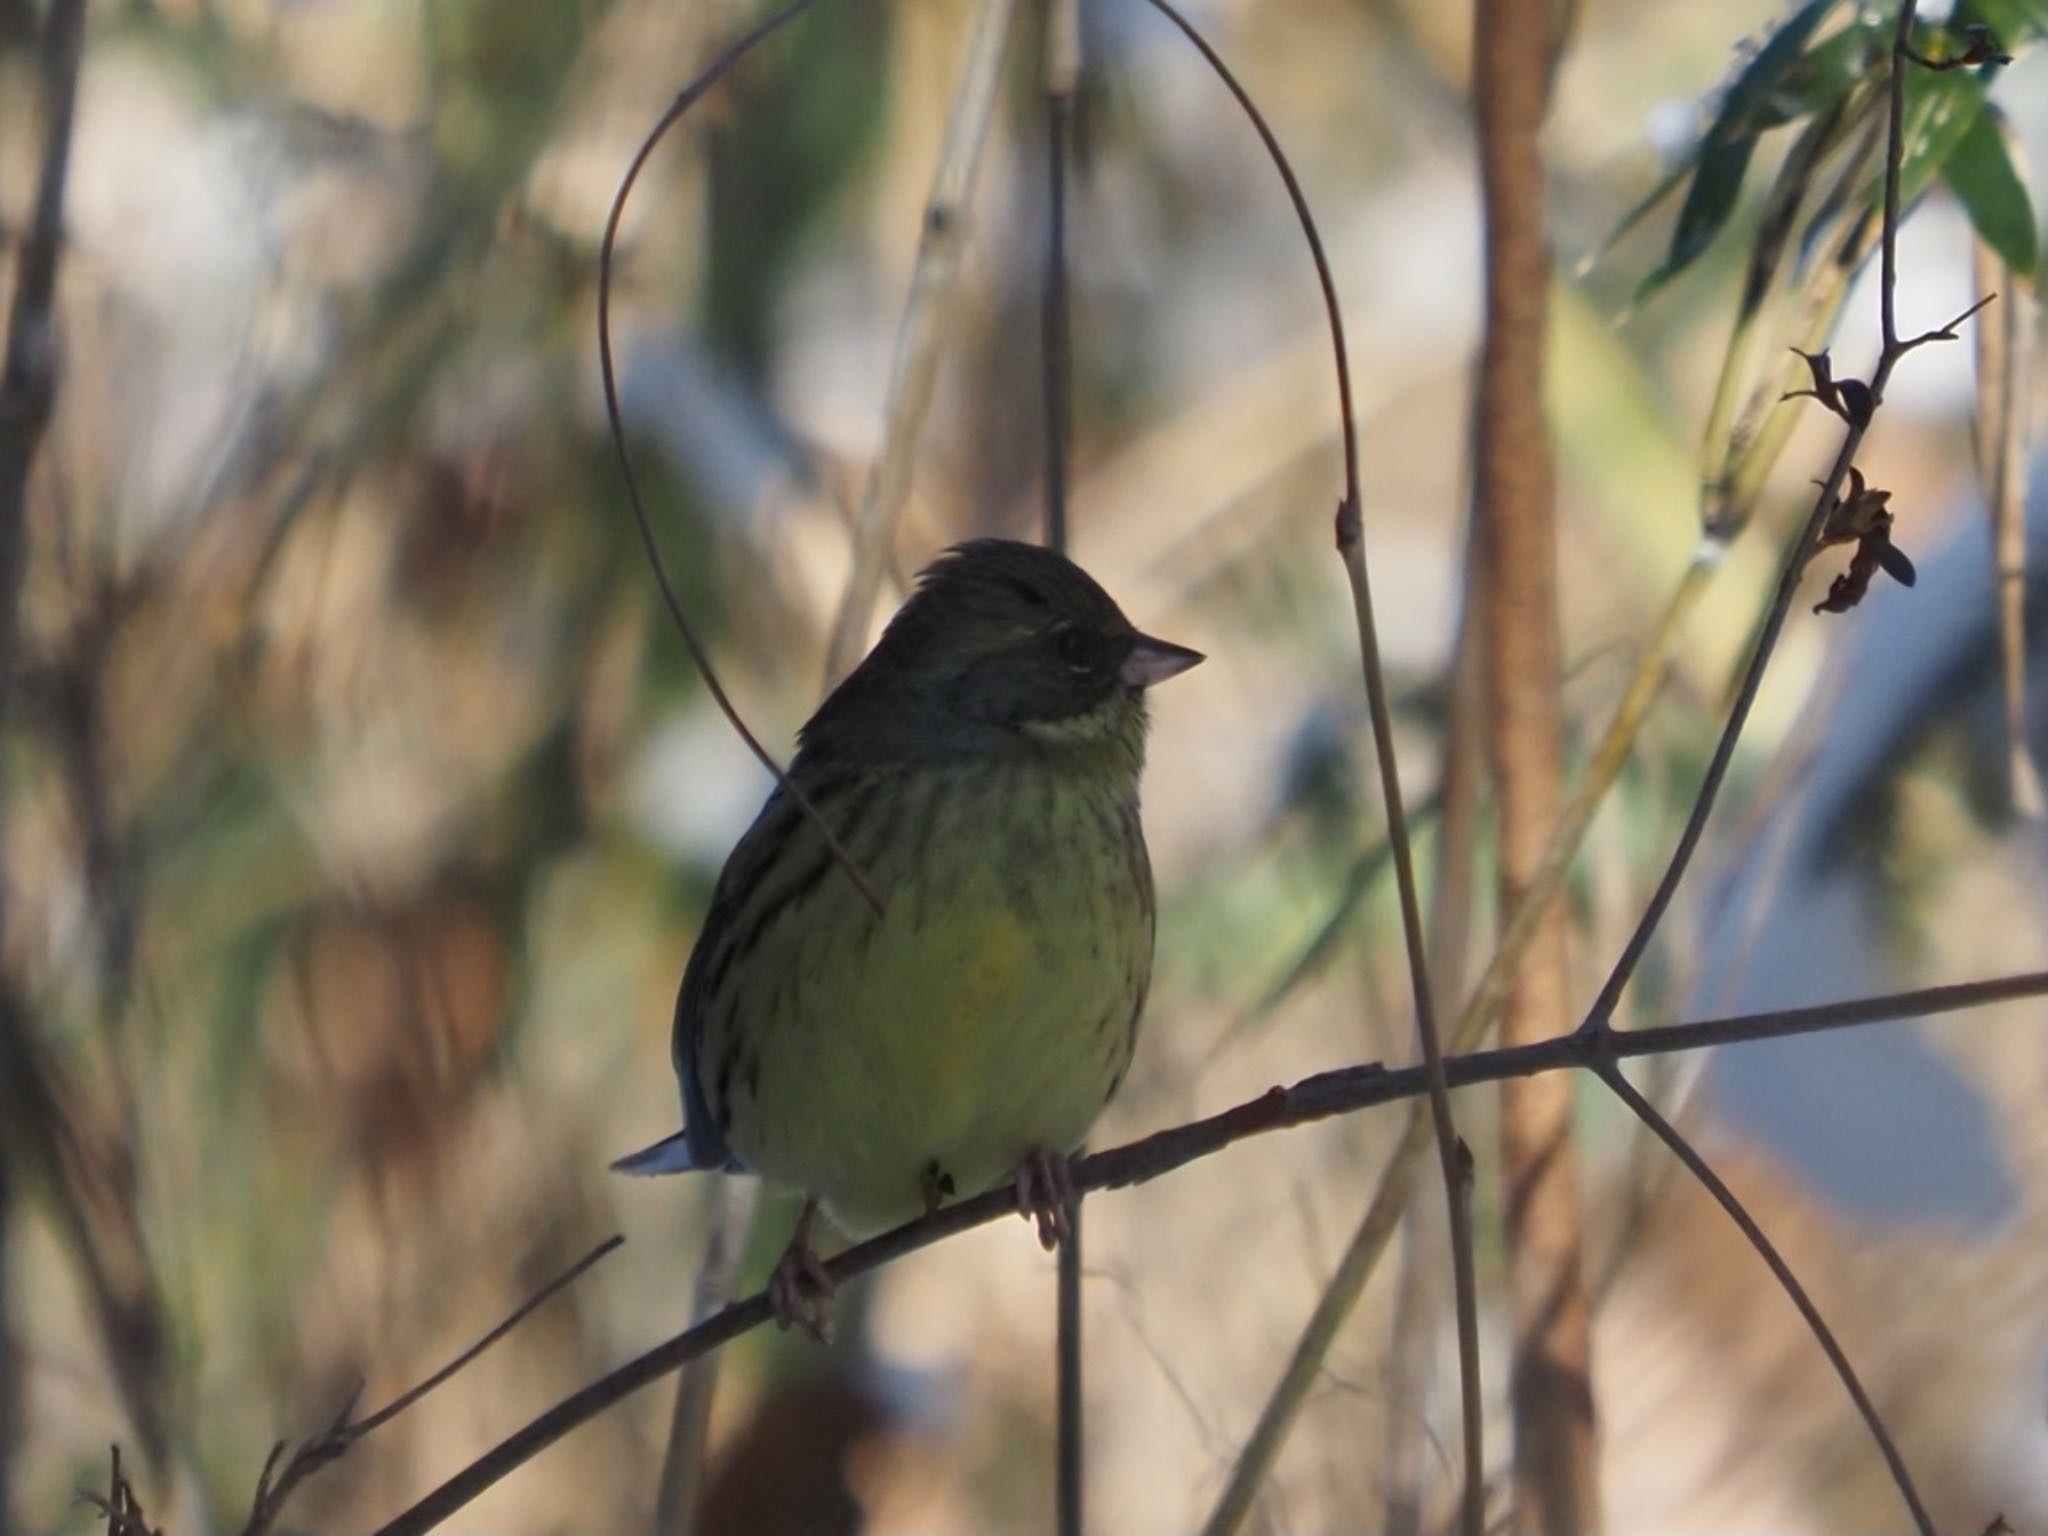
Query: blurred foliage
361, 806
1794, 77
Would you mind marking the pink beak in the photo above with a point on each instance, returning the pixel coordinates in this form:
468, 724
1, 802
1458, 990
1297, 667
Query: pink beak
1154, 661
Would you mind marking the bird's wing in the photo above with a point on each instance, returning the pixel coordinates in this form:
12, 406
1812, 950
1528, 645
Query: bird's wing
749, 859
699, 1145
705, 1145
671, 1154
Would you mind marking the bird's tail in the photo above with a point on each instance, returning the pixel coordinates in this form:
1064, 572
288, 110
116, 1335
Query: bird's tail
669, 1155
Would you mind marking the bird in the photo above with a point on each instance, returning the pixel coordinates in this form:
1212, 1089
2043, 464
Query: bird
959, 1014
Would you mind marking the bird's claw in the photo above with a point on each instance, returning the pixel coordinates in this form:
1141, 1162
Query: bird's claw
1046, 1196
800, 1288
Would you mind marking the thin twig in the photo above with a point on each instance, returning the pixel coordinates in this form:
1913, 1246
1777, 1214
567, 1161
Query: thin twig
1894, 161
2005, 376
334, 1442
1858, 425
1062, 82
1417, 1308
920, 333
700, 658
1597, 1029
1350, 537
1070, 1470
733, 1205
1700, 1169
28, 374
119, 1506
1475, 1022
1345, 1090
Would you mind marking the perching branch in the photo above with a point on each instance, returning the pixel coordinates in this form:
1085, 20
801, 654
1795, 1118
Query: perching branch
1345, 1090
1895, 348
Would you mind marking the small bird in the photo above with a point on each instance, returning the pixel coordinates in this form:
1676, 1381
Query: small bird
962, 1020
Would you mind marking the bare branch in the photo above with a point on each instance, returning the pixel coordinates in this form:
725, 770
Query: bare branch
119, 1506
1943, 332
275, 1486
1700, 1169
1326, 1094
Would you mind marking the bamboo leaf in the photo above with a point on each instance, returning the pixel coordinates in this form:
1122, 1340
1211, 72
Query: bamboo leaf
1824, 75
1788, 193
2012, 22
1941, 109
1981, 174
1754, 103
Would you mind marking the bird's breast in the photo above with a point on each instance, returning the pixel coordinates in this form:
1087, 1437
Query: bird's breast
985, 1012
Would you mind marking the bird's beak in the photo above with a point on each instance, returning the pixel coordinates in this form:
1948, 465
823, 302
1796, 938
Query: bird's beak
1154, 661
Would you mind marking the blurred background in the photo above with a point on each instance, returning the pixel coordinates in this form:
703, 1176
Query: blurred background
361, 806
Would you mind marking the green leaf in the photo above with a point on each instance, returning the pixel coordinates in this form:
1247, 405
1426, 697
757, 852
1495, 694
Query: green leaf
1648, 204
1941, 108
1981, 174
1823, 76
2012, 22
1750, 107
1781, 208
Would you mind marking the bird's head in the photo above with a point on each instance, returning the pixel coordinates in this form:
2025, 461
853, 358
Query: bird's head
1004, 645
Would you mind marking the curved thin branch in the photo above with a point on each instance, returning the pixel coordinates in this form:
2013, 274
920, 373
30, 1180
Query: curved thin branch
274, 1485
1702, 1170
692, 642
1350, 535
1326, 1094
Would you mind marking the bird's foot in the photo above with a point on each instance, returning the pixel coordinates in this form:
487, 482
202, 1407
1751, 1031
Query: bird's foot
800, 1288
936, 1185
1046, 1195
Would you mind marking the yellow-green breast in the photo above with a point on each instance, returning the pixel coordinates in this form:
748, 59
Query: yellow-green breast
988, 1013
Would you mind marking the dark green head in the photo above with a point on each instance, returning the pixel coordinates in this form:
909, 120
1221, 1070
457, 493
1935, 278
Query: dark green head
1002, 646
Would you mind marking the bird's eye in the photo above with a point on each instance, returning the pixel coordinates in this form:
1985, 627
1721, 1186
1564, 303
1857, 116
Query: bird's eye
1079, 650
